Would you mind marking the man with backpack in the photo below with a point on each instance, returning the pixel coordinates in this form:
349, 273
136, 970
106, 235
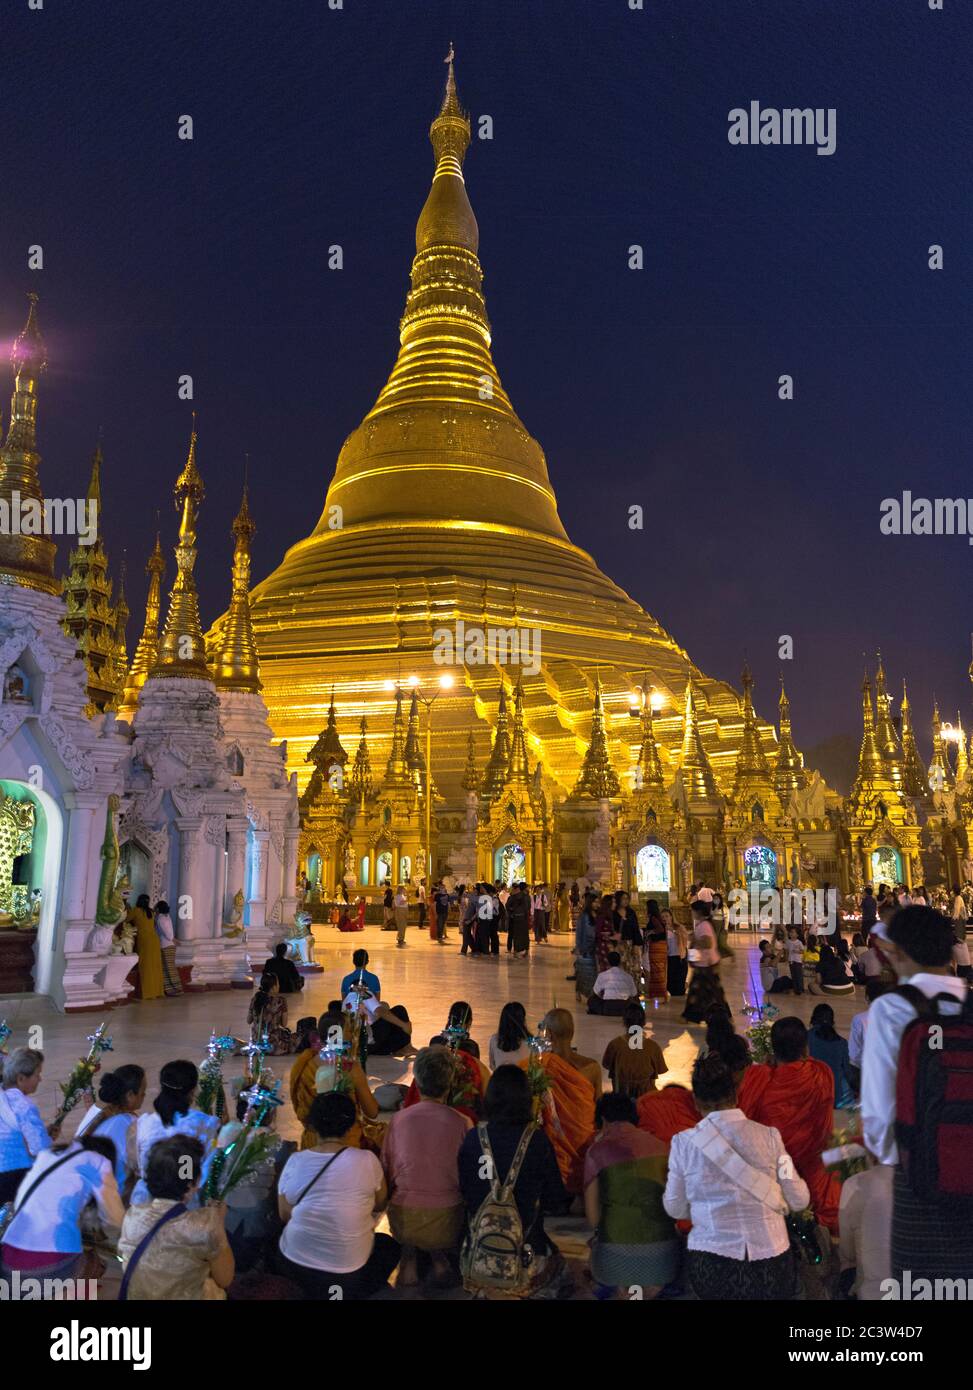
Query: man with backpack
916, 1046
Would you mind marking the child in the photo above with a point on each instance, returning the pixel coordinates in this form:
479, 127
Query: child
795, 959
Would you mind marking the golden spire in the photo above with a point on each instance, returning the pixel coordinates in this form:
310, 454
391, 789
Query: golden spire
870, 763
518, 764
752, 768
443, 423
26, 554
888, 743
396, 769
500, 753
597, 778
326, 754
182, 651
120, 643
962, 762
236, 666
361, 772
695, 771
649, 778
90, 619
914, 776
789, 773
940, 773
414, 760
147, 651
471, 775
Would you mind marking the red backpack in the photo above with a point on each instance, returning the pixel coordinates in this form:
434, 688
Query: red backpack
934, 1098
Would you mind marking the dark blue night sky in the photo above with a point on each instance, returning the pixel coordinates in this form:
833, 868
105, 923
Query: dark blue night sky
658, 387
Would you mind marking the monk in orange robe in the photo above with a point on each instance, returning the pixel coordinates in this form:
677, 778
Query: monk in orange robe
568, 1116
667, 1112
795, 1095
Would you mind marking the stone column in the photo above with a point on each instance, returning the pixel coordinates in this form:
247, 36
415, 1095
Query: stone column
236, 863
288, 890
187, 921
78, 978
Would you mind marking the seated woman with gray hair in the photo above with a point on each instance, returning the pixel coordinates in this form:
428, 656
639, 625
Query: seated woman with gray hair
420, 1157
23, 1134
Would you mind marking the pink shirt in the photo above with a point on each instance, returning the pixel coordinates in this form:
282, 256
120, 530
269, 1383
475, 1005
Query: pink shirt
420, 1155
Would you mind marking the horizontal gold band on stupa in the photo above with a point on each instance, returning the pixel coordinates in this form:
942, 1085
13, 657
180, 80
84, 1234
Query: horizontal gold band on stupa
447, 468
435, 523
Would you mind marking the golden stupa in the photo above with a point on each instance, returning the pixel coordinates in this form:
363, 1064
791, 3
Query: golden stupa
440, 510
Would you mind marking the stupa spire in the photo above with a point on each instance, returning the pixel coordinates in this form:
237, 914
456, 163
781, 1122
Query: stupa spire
789, 773
500, 753
962, 761
396, 769
147, 650
26, 553
443, 410
471, 774
361, 772
649, 777
870, 763
236, 666
752, 766
414, 760
518, 765
598, 778
182, 651
885, 736
91, 619
914, 776
695, 772
940, 773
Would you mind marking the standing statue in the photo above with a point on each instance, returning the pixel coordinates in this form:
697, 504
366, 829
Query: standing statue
111, 904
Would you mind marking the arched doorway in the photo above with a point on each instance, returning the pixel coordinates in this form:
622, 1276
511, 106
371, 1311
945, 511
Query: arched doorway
32, 876
886, 865
760, 866
510, 863
653, 870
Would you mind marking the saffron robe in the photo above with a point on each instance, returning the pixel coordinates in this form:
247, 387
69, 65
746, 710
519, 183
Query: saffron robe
570, 1122
797, 1098
667, 1112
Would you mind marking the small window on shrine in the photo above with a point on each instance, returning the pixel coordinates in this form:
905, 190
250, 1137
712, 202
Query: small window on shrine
387, 816
883, 810
512, 811
234, 761
758, 811
651, 816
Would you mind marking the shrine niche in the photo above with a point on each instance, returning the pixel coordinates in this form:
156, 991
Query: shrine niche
22, 845
653, 871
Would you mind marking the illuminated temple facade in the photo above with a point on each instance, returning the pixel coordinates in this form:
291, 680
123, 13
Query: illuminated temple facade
436, 681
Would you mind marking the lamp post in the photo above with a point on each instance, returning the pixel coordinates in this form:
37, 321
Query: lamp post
445, 682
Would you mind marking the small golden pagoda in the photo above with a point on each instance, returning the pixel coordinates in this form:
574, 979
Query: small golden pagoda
147, 650
235, 665
182, 650
26, 557
915, 778
92, 620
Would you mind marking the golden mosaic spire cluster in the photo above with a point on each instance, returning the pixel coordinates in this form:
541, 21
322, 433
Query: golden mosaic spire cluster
236, 666
885, 735
182, 651
598, 778
753, 776
27, 560
92, 620
361, 772
649, 779
496, 772
915, 779
518, 765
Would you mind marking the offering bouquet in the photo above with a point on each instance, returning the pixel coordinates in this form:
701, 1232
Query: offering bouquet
78, 1084
254, 1146
255, 1051
211, 1097
334, 1073
542, 1099
845, 1155
5, 1031
758, 1034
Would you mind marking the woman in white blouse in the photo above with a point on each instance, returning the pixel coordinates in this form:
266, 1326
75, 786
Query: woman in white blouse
120, 1096
173, 1113
43, 1241
509, 1045
23, 1134
735, 1181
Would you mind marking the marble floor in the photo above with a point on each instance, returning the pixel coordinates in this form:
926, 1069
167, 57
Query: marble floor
425, 977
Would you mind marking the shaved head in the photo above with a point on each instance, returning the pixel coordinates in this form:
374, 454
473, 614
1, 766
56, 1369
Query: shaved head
560, 1024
